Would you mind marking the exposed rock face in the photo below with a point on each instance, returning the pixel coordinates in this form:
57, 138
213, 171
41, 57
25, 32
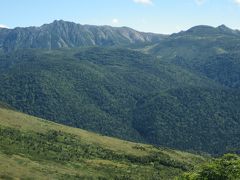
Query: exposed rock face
62, 34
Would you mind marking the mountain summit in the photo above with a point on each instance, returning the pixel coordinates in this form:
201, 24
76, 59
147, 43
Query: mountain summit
208, 31
63, 34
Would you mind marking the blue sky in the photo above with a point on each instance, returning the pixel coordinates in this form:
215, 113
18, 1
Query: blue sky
161, 16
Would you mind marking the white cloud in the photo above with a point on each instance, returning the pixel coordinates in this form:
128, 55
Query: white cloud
3, 26
237, 2
115, 21
200, 2
147, 2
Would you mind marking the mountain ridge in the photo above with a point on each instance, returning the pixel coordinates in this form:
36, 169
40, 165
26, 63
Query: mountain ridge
63, 34
66, 34
206, 30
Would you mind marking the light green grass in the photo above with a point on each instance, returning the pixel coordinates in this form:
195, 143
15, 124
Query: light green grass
126, 162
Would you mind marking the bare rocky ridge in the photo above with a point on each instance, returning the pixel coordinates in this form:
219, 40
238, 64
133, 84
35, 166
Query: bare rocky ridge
63, 34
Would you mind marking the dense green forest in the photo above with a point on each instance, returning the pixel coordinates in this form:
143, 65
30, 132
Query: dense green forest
199, 119
181, 91
93, 88
123, 93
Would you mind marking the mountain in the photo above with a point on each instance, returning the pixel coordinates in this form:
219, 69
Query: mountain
207, 31
181, 92
200, 119
93, 88
204, 50
207, 52
3, 33
123, 93
33, 148
63, 34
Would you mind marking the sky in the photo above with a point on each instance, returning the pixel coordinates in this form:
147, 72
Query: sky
159, 16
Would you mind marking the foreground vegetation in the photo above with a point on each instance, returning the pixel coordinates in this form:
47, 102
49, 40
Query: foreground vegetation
224, 168
34, 148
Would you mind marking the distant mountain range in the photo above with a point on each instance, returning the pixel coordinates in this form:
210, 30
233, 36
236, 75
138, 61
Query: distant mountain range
203, 30
62, 34
179, 91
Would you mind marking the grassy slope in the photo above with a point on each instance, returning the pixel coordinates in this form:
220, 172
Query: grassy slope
30, 148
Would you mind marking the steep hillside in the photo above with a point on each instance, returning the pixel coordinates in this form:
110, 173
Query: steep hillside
95, 88
207, 51
63, 34
198, 119
3, 34
205, 118
38, 149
